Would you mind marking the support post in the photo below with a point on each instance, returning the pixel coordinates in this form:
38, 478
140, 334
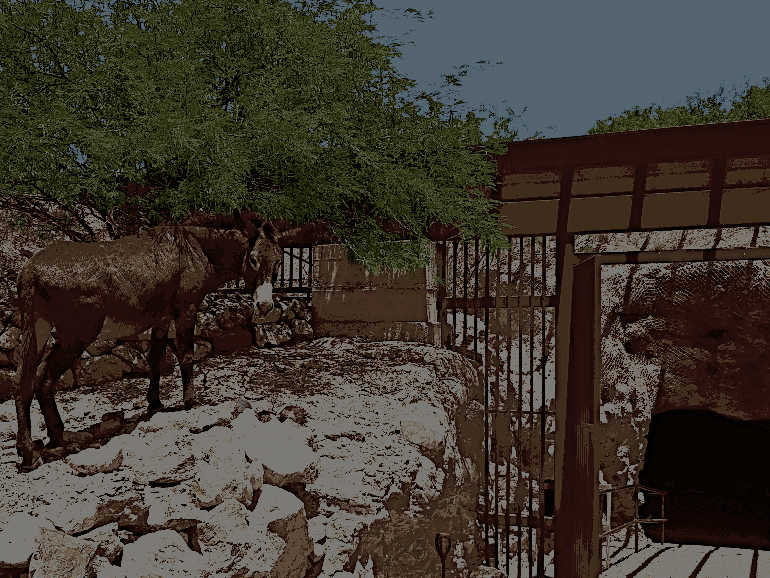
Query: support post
578, 518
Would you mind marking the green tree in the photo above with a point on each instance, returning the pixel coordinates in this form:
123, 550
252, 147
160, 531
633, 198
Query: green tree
753, 103
287, 108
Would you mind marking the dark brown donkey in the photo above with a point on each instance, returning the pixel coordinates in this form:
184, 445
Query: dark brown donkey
120, 288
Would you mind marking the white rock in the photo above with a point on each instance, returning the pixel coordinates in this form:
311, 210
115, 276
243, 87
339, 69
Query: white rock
100, 567
424, 425
108, 545
94, 460
162, 553
161, 457
17, 542
221, 470
284, 514
58, 555
337, 556
225, 531
316, 527
172, 508
281, 447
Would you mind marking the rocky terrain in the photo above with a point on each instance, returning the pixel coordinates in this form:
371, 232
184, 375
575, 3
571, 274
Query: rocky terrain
333, 458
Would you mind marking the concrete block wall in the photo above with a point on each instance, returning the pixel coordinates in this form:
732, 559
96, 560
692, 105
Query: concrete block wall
350, 302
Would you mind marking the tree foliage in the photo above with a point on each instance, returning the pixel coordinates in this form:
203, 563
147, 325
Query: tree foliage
290, 109
751, 104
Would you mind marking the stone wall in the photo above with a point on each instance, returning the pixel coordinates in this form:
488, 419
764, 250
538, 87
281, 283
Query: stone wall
678, 337
348, 301
225, 324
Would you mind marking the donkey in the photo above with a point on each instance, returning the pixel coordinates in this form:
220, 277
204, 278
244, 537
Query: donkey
118, 289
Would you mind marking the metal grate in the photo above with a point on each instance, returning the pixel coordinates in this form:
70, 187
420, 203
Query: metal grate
500, 310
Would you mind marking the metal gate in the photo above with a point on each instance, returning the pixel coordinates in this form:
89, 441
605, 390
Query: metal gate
500, 310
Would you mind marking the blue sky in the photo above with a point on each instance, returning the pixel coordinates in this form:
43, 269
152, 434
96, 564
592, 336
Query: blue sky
573, 62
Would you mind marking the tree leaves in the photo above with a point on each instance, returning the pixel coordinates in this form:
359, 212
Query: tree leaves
287, 108
753, 103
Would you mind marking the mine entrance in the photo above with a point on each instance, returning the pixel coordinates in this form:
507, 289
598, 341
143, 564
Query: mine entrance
552, 192
716, 483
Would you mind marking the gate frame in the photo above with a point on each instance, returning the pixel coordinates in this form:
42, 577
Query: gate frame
578, 517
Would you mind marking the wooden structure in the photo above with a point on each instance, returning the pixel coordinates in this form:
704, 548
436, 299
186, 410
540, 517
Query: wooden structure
708, 176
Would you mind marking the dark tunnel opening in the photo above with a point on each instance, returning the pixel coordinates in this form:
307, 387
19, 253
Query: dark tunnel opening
715, 470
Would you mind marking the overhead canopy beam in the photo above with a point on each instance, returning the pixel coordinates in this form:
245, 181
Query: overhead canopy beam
674, 178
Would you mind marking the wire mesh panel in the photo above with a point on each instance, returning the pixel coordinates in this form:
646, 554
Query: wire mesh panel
296, 274
500, 310
294, 277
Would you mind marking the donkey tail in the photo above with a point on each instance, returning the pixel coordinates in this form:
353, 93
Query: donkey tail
27, 357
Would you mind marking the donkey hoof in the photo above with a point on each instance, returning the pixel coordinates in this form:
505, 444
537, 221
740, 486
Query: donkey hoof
25, 468
190, 403
154, 407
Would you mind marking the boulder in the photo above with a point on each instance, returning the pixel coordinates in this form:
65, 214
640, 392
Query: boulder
171, 508
10, 338
17, 541
163, 553
301, 329
289, 460
58, 555
222, 470
94, 460
133, 356
107, 542
283, 513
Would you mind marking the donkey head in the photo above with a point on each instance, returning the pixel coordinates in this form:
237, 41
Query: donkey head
261, 262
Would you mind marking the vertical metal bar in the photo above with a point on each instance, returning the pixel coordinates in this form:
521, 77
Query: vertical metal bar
520, 480
636, 517
301, 263
465, 292
283, 262
663, 517
454, 293
541, 491
509, 420
487, 386
486, 397
531, 319
310, 270
497, 406
291, 266
442, 294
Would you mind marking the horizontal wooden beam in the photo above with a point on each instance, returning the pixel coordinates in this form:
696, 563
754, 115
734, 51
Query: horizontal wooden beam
684, 255
744, 206
645, 146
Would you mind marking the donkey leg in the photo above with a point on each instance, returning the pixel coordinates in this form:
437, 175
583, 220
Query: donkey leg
157, 350
24, 386
62, 357
185, 343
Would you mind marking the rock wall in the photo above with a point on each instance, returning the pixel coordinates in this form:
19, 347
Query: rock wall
335, 458
226, 324
680, 336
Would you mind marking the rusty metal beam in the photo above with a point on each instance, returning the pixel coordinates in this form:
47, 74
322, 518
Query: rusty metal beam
500, 302
578, 516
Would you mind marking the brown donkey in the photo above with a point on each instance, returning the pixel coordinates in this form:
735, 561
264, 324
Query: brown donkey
120, 288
